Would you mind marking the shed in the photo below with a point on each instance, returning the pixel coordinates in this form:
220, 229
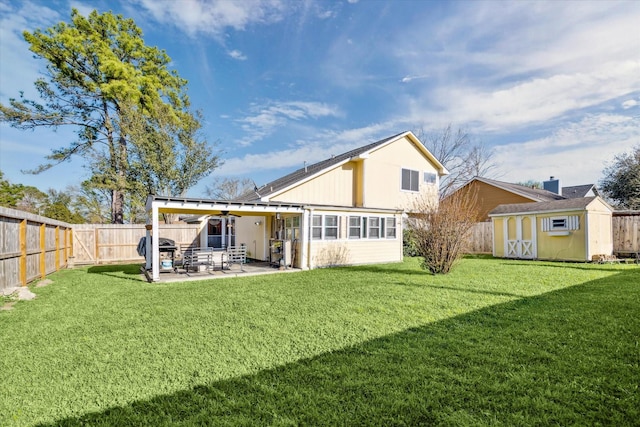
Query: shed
568, 230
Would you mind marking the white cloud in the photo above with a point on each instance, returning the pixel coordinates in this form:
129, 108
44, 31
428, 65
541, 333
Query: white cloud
266, 118
214, 16
503, 65
630, 104
18, 68
407, 79
236, 54
321, 146
576, 154
539, 99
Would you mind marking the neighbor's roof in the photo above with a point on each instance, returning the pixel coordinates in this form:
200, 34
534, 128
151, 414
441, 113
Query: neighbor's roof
578, 191
534, 194
297, 177
574, 204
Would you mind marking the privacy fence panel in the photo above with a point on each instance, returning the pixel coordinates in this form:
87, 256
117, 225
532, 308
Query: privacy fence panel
480, 238
110, 243
31, 246
626, 233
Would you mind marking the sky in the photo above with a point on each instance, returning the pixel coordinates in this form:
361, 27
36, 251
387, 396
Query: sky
553, 88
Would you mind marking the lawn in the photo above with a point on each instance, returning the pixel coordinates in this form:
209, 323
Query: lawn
495, 342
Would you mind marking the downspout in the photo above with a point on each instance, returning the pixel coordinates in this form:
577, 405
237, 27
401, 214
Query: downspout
310, 238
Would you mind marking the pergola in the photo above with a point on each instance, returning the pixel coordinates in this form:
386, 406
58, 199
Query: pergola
157, 205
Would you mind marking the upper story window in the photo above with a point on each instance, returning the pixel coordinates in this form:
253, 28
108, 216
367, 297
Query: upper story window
430, 178
410, 180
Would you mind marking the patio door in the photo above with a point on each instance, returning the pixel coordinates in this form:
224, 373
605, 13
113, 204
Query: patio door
221, 232
520, 237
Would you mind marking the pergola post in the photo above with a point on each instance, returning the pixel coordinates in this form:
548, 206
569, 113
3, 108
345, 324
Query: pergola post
155, 243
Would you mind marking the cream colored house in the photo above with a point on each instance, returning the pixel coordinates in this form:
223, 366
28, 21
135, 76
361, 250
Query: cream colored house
570, 230
344, 210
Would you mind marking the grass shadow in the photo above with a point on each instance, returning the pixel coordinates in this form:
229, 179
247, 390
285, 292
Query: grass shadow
121, 271
568, 357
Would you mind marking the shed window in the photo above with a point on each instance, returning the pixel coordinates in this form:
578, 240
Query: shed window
410, 180
561, 223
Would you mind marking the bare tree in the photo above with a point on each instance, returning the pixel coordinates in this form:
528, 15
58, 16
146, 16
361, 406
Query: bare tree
439, 232
460, 154
229, 188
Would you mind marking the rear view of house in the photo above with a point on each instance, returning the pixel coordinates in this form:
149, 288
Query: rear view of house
347, 209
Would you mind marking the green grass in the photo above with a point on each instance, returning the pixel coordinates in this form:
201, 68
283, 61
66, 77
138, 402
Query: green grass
496, 342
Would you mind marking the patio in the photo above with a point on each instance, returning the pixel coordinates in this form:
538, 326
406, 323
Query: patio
250, 269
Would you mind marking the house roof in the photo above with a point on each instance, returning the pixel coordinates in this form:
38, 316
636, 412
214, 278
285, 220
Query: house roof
534, 194
578, 191
578, 203
303, 174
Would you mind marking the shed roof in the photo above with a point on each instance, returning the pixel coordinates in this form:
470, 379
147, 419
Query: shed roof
574, 204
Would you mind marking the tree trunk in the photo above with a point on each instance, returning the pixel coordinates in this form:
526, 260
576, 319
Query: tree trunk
117, 207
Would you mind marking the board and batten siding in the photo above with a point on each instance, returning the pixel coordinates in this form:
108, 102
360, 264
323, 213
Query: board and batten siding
334, 187
31, 246
384, 189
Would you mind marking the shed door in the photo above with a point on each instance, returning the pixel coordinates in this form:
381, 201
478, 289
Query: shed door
520, 237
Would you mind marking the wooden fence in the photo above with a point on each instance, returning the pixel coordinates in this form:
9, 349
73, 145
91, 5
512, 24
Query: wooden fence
481, 238
111, 243
31, 246
626, 235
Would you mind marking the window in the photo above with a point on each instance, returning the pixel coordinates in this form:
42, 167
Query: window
561, 223
292, 228
391, 228
316, 227
430, 178
355, 227
324, 227
410, 180
374, 228
331, 227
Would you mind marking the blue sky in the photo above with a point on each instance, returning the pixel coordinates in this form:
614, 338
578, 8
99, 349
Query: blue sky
552, 87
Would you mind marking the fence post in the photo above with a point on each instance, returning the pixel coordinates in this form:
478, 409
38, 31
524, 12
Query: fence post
43, 251
23, 252
57, 241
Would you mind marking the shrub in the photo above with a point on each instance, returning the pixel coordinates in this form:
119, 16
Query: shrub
440, 230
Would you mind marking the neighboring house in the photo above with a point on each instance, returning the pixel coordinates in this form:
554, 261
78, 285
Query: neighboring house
490, 193
573, 229
347, 209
